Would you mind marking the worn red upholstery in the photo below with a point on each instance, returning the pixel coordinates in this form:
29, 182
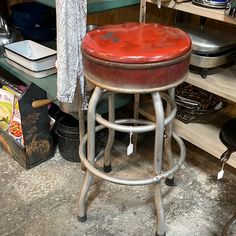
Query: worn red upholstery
131, 56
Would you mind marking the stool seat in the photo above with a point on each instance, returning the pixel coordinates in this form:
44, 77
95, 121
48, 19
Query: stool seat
136, 43
136, 57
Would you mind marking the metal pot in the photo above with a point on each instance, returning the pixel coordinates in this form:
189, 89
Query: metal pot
228, 138
5, 35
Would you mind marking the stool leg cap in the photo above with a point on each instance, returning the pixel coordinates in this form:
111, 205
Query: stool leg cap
160, 234
170, 182
107, 169
82, 218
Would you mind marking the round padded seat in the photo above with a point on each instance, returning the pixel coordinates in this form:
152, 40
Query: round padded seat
136, 57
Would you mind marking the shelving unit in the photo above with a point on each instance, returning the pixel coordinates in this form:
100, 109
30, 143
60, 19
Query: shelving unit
222, 83
215, 14
205, 136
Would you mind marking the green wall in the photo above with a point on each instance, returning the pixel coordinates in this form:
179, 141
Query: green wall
98, 5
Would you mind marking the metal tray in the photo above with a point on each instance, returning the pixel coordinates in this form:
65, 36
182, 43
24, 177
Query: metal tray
208, 40
209, 48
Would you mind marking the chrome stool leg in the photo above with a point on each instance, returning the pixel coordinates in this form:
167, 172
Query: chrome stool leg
158, 153
81, 121
143, 126
136, 116
107, 159
167, 141
90, 153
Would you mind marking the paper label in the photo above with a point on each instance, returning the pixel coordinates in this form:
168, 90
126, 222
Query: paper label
130, 149
220, 174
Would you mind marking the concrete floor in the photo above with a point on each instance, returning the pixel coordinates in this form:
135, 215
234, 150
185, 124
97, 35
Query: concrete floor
43, 201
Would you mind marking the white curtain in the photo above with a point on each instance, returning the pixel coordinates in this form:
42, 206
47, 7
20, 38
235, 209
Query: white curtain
71, 28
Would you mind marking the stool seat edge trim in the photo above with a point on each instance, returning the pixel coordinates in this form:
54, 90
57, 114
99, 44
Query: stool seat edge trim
135, 66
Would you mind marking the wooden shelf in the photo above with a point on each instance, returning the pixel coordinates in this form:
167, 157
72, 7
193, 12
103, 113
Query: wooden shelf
216, 14
204, 136
221, 83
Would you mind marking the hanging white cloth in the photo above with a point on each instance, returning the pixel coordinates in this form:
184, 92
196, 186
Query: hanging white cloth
71, 28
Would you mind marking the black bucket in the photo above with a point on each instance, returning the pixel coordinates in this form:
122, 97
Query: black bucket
66, 135
66, 129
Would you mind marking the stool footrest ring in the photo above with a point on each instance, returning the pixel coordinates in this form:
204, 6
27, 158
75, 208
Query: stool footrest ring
133, 182
149, 126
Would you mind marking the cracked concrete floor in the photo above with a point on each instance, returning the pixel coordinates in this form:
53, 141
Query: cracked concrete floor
43, 201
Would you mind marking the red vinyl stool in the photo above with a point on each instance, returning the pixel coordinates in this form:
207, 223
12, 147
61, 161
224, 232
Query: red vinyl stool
134, 58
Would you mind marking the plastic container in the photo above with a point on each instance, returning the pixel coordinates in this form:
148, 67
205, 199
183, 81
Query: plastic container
35, 21
39, 34
30, 14
66, 132
66, 129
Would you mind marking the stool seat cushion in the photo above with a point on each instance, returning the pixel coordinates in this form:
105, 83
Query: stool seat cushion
136, 43
136, 57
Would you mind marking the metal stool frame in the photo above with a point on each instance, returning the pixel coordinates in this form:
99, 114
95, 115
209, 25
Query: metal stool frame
159, 126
